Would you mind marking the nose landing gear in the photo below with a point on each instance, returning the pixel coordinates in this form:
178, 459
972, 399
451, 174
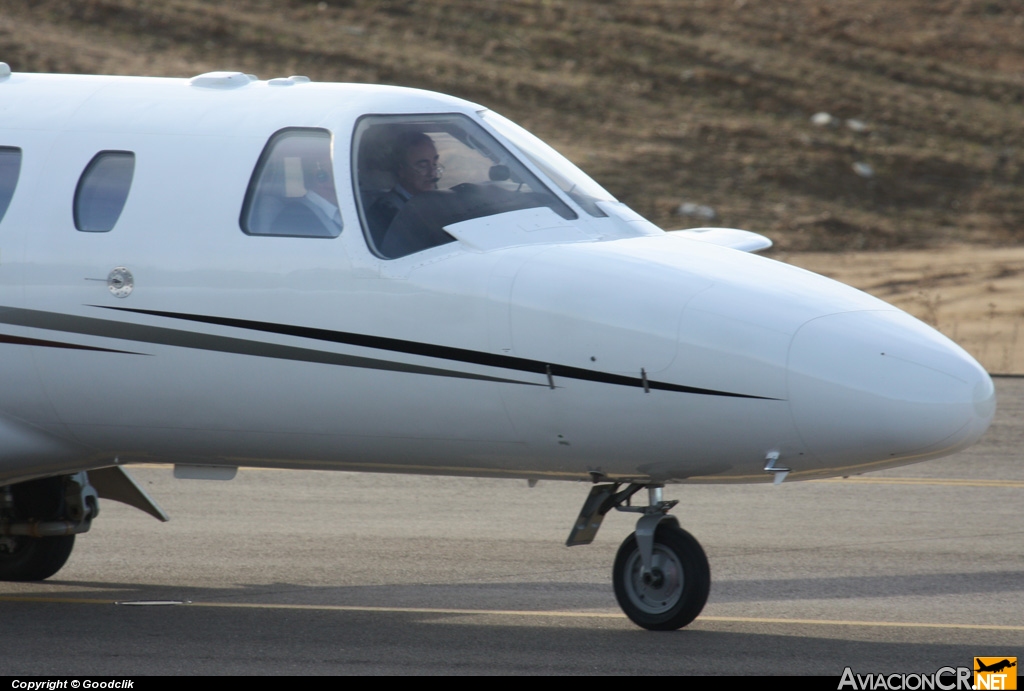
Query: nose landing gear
661, 574
669, 593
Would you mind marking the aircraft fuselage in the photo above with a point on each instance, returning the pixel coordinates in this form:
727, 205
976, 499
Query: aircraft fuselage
533, 346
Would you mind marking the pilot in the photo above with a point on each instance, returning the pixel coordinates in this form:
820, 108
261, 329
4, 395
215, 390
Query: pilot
316, 212
414, 162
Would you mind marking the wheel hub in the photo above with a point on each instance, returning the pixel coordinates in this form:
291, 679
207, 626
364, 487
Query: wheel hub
659, 589
653, 578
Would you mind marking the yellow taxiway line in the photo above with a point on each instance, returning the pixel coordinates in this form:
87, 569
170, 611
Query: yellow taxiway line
951, 482
507, 612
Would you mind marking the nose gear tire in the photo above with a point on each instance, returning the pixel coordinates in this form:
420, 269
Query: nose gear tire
673, 593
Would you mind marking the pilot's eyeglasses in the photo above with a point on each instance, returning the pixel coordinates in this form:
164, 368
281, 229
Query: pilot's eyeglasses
426, 168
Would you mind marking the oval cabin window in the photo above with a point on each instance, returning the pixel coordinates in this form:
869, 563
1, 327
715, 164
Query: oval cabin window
103, 190
10, 167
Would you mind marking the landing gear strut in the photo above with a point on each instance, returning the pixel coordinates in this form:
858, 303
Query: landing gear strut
661, 574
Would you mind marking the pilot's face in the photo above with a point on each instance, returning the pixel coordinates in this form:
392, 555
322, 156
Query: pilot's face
419, 171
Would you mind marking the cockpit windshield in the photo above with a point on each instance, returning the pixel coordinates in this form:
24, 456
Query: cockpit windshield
417, 174
573, 181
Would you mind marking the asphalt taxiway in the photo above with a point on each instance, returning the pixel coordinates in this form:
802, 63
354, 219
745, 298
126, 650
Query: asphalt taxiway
281, 572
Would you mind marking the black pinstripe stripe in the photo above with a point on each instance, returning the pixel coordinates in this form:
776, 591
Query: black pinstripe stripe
440, 352
141, 333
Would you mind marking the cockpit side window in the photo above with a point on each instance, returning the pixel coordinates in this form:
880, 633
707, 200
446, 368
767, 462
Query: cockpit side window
415, 175
10, 167
103, 190
291, 192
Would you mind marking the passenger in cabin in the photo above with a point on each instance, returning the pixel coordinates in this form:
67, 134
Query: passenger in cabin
316, 212
414, 163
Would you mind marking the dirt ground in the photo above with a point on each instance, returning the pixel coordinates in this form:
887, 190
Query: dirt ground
974, 295
878, 142
827, 124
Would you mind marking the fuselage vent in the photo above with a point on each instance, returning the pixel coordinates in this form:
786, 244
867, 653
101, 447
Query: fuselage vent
222, 80
288, 81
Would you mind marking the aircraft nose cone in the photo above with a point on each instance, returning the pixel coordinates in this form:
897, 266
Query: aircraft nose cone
880, 387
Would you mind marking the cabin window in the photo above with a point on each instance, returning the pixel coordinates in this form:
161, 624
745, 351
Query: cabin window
415, 175
292, 191
10, 167
103, 190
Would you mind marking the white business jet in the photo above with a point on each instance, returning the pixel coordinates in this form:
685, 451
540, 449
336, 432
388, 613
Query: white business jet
220, 272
